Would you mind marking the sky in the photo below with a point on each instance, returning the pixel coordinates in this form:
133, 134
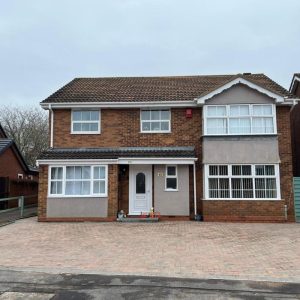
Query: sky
45, 44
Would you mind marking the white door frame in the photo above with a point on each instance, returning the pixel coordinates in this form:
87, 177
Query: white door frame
133, 170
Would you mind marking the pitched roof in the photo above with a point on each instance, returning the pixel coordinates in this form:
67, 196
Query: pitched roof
143, 89
114, 153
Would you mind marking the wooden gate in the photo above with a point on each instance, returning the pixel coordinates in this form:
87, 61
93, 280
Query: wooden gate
297, 198
4, 191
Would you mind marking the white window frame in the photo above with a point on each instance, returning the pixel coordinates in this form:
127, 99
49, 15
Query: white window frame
55, 180
171, 176
86, 132
227, 117
253, 176
150, 121
99, 195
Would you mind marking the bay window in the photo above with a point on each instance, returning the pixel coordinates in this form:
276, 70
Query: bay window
78, 181
242, 182
239, 119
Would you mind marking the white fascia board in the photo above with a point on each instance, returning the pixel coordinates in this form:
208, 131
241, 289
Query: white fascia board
191, 103
278, 98
157, 161
124, 161
70, 162
290, 102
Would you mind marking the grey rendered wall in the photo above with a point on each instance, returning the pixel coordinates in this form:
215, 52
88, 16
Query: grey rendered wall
240, 150
171, 203
77, 207
240, 94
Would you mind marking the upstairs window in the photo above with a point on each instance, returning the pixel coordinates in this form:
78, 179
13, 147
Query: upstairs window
85, 121
240, 119
155, 121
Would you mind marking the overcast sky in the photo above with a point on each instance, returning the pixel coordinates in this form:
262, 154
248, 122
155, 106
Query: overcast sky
45, 44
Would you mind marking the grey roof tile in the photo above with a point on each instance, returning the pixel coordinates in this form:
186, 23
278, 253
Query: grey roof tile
148, 89
114, 153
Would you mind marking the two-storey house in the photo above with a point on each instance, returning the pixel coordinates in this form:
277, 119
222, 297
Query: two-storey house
218, 146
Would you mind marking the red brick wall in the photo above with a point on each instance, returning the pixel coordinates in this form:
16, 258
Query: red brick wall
43, 192
10, 165
121, 127
113, 190
243, 210
286, 157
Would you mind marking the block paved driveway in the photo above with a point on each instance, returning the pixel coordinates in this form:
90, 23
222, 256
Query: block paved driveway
174, 249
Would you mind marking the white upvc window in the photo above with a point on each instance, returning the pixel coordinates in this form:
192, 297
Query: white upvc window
155, 121
171, 178
241, 119
85, 122
242, 181
78, 181
56, 181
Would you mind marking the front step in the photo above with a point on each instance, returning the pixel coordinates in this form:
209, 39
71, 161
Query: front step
138, 220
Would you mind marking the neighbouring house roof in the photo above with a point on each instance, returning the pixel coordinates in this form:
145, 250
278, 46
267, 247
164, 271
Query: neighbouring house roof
295, 82
4, 144
115, 153
151, 89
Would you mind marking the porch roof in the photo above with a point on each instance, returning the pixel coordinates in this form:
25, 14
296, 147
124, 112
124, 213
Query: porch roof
119, 152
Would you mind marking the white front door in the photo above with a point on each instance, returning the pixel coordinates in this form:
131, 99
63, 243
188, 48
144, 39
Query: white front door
140, 189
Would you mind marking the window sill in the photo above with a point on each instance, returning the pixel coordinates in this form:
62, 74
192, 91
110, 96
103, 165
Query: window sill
86, 132
77, 196
155, 132
240, 135
239, 199
169, 190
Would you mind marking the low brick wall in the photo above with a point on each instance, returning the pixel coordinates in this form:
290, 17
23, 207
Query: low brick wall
243, 210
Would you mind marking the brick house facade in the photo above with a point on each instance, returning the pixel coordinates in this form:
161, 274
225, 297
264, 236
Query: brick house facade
170, 170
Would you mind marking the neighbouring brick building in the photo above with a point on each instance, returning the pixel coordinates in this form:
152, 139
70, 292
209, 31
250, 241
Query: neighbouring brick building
16, 177
218, 146
295, 119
